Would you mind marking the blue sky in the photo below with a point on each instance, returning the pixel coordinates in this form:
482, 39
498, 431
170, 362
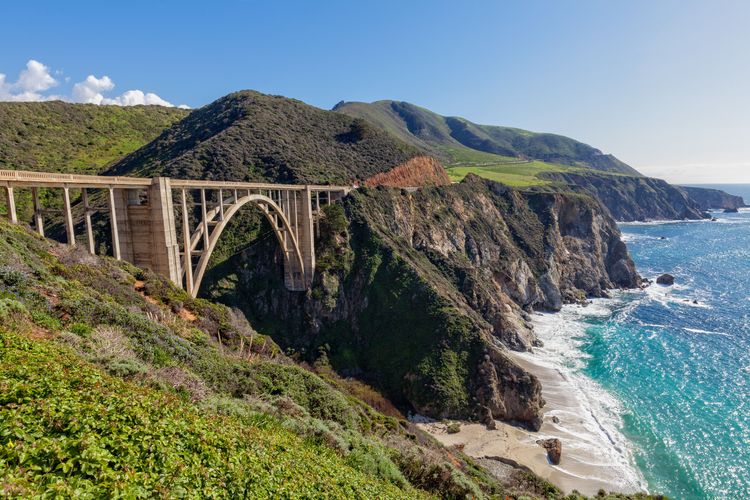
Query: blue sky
662, 85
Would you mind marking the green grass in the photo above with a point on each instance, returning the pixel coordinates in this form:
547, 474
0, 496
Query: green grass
69, 430
512, 174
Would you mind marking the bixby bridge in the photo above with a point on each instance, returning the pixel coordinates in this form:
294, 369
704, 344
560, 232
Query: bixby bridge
143, 218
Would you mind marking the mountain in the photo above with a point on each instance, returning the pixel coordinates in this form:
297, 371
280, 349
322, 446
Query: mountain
521, 158
456, 140
77, 138
252, 136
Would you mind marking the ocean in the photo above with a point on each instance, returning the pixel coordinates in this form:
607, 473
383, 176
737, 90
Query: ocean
665, 372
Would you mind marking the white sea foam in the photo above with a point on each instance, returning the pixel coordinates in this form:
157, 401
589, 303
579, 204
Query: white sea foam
707, 332
590, 417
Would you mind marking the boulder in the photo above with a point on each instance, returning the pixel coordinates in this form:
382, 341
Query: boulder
731, 210
554, 449
665, 279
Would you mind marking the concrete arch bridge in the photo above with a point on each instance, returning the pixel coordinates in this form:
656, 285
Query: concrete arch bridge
143, 217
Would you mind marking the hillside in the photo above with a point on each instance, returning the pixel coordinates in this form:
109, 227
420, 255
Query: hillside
78, 138
112, 380
252, 136
459, 142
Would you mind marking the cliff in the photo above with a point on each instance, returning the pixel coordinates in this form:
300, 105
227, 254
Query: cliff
422, 293
633, 198
707, 198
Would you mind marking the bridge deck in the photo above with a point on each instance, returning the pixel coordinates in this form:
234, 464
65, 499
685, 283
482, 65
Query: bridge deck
23, 178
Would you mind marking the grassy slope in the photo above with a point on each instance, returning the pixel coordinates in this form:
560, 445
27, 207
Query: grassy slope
149, 444
76, 138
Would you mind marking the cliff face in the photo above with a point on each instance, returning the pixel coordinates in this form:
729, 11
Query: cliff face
422, 293
419, 171
634, 198
713, 198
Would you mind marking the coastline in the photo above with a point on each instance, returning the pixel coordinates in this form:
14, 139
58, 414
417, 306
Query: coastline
595, 455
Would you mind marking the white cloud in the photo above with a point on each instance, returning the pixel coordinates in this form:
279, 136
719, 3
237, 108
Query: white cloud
136, 97
36, 79
31, 81
90, 90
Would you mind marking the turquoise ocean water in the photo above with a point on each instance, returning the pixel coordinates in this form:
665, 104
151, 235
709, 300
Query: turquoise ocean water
678, 358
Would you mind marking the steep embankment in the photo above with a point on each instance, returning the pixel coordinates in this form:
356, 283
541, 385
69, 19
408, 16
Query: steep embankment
633, 198
707, 198
420, 293
252, 136
76, 138
455, 139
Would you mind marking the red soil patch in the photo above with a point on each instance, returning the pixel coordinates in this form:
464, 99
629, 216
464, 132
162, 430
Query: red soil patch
417, 172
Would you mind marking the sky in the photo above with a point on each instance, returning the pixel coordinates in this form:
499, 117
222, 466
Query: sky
663, 85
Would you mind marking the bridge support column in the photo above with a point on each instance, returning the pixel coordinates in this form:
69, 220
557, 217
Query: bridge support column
68, 212
302, 218
11, 199
165, 251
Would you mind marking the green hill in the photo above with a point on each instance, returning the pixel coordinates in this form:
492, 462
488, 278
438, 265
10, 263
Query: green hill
461, 143
77, 138
252, 136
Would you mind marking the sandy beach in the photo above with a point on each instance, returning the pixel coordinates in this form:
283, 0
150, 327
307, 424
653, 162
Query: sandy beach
594, 455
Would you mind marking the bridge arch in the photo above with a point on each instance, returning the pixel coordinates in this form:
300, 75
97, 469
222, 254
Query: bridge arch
220, 216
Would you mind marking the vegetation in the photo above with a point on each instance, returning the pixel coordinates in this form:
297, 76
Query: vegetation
512, 174
70, 430
454, 139
76, 138
251, 136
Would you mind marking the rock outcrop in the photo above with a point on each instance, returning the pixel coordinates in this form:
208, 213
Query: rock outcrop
554, 449
665, 279
631, 198
709, 199
423, 293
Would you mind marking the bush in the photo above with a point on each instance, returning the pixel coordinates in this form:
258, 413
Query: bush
453, 428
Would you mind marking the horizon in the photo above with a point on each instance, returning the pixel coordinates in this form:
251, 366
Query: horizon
658, 86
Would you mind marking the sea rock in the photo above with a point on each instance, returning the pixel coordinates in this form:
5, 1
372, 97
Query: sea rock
665, 279
730, 210
555, 419
554, 449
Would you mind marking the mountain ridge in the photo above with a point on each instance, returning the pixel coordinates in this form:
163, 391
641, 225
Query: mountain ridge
438, 134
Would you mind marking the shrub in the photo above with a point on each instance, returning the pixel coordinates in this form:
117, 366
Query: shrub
453, 428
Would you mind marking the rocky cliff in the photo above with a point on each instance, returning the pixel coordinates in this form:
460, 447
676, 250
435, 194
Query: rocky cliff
633, 198
422, 293
713, 198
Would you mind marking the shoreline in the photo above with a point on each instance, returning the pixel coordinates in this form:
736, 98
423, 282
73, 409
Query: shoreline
595, 455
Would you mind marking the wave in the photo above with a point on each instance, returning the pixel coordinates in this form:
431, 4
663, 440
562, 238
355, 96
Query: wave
590, 417
707, 332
